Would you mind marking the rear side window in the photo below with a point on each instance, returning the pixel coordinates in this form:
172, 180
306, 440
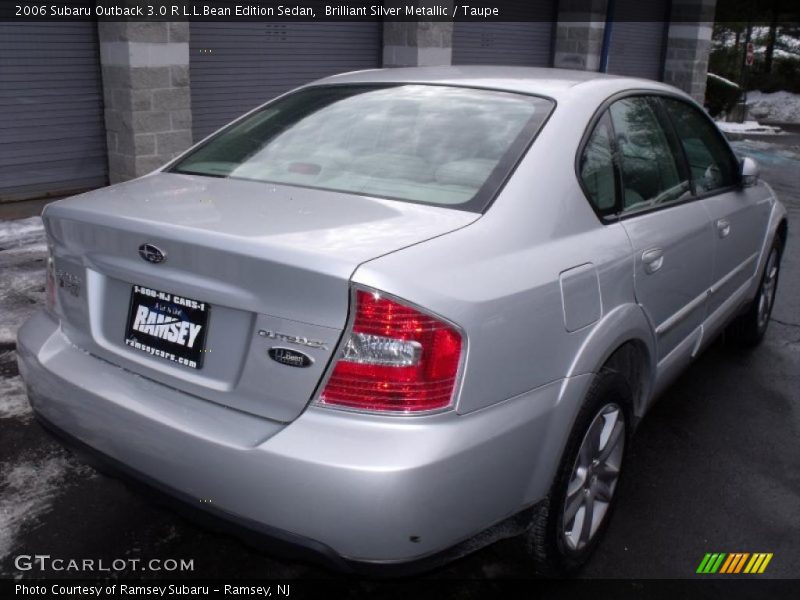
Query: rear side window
712, 164
431, 144
597, 168
652, 169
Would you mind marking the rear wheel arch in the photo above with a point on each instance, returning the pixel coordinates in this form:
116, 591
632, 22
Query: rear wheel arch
544, 539
633, 362
627, 367
623, 341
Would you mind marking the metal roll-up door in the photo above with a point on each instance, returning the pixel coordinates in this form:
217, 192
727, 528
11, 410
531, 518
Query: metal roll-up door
52, 130
638, 38
234, 67
526, 43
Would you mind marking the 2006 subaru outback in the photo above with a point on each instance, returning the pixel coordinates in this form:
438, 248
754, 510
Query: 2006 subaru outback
395, 309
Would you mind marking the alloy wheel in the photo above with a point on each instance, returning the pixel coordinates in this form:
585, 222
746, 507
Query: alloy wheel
768, 286
594, 477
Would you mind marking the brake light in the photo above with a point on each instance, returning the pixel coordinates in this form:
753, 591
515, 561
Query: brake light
394, 359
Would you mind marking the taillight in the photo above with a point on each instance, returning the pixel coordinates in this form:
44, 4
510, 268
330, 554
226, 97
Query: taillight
50, 283
394, 358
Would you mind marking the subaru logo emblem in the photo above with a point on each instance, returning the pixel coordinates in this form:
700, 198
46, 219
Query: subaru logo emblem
152, 253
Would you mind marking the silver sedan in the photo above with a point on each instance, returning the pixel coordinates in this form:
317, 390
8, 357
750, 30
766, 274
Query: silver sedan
395, 315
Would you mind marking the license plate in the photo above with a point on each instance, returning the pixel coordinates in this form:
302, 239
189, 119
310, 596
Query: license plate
168, 326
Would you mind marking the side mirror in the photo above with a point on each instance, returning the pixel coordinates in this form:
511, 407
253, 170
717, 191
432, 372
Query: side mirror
748, 172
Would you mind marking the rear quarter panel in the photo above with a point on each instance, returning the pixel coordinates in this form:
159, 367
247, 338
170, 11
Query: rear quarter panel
499, 278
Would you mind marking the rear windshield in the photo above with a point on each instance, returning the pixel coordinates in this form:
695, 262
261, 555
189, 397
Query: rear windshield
431, 144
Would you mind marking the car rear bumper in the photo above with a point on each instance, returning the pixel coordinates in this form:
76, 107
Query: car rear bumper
349, 488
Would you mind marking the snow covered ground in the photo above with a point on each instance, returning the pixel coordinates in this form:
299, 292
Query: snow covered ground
29, 486
32, 481
776, 107
22, 259
748, 127
13, 401
21, 232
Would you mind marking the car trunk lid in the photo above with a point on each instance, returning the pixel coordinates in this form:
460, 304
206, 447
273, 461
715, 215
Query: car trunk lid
269, 264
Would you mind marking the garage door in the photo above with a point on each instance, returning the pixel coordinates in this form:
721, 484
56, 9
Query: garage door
52, 131
237, 66
638, 37
524, 43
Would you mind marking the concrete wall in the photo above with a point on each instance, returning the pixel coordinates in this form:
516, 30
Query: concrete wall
579, 34
145, 69
689, 46
417, 44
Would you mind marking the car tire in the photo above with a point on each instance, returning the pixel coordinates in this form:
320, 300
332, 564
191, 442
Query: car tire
552, 545
748, 329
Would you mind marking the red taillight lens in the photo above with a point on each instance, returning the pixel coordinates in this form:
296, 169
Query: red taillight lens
395, 359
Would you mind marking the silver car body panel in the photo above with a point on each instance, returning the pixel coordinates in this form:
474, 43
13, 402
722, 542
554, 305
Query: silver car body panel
543, 291
363, 486
217, 234
673, 288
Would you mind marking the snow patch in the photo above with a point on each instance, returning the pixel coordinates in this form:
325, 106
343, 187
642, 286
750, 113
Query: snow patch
12, 320
748, 127
20, 232
28, 490
779, 107
19, 303
23, 252
27, 283
14, 399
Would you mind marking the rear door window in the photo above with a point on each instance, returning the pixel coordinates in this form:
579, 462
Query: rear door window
652, 169
596, 166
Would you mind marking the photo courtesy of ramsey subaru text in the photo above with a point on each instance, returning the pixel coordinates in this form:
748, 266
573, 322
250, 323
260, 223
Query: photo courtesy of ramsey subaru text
396, 315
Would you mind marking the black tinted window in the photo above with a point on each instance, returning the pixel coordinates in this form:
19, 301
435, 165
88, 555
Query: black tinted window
712, 164
597, 167
652, 172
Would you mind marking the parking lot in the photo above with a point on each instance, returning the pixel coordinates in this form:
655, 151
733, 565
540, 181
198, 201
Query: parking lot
715, 466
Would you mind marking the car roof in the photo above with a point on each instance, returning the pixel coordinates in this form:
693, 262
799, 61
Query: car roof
553, 83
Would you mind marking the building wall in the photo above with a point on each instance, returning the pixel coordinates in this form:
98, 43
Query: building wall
52, 133
147, 84
236, 66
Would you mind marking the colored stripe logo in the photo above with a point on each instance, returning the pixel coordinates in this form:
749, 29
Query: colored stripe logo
735, 562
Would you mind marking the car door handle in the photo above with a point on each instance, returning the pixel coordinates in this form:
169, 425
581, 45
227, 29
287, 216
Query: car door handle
723, 227
653, 259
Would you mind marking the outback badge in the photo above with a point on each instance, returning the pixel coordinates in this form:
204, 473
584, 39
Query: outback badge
289, 357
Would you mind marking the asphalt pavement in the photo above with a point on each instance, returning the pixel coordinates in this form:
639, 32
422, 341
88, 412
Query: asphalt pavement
714, 467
